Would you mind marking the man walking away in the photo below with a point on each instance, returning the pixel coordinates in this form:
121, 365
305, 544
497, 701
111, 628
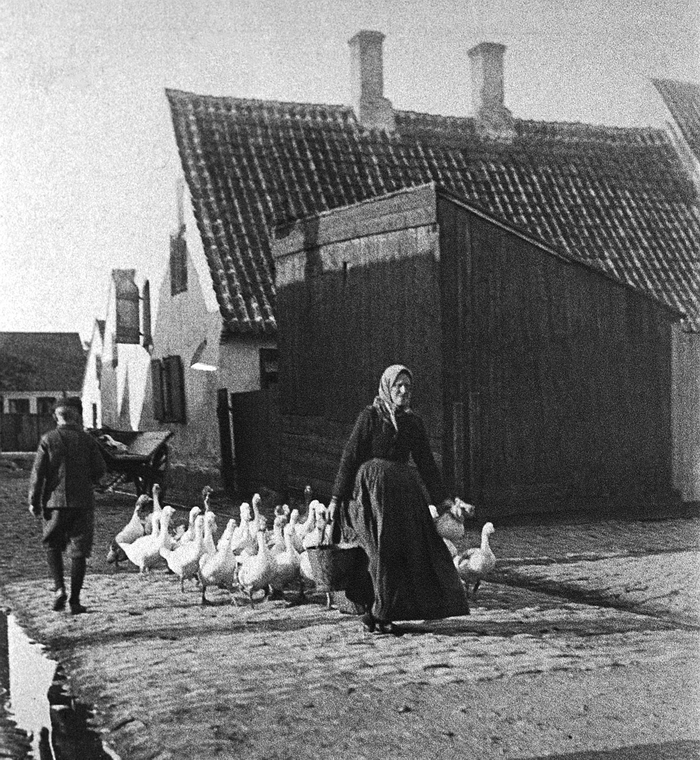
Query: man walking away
67, 465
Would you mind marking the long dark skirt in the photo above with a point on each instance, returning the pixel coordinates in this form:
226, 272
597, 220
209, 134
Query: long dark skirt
409, 574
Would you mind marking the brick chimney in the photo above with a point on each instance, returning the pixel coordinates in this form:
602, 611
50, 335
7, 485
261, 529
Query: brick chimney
372, 109
492, 117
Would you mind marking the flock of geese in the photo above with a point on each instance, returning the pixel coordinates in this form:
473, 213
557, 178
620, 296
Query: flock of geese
250, 557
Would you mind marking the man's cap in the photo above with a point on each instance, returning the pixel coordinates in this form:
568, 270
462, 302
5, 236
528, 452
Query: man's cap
68, 402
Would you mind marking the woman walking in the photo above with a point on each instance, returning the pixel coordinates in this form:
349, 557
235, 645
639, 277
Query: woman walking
408, 573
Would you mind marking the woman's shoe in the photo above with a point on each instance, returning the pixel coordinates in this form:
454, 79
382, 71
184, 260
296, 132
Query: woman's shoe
369, 622
77, 608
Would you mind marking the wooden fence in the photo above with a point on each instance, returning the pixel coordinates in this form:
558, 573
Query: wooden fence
21, 432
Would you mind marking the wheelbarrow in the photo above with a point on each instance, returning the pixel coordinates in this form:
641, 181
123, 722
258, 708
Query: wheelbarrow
136, 456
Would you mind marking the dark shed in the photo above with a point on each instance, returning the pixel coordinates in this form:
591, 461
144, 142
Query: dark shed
544, 383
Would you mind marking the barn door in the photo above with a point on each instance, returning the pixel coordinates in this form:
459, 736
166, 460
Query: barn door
257, 434
461, 398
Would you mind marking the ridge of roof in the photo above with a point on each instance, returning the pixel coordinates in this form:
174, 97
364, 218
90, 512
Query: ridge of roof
573, 130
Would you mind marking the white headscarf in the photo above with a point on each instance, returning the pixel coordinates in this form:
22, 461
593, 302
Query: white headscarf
382, 401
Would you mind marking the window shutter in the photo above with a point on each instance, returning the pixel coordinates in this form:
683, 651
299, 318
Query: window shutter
127, 306
176, 387
146, 338
157, 386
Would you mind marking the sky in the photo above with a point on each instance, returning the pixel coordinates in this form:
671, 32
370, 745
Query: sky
88, 162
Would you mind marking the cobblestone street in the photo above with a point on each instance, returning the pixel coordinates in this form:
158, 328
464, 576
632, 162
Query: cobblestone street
585, 641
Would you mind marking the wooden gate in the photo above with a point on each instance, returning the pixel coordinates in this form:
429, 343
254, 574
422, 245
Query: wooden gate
21, 432
257, 436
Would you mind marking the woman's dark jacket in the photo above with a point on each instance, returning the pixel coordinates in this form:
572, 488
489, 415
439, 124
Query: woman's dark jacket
374, 437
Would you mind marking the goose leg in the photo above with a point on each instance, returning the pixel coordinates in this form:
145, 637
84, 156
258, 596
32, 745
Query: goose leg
476, 586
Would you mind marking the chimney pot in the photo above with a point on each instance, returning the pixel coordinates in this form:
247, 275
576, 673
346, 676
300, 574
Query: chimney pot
372, 109
492, 117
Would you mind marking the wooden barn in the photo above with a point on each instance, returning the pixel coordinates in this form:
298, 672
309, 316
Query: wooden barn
545, 384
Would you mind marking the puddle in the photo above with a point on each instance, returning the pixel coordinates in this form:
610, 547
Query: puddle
36, 699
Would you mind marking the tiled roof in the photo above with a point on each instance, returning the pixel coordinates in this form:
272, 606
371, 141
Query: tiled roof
615, 197
41, 361
683, 101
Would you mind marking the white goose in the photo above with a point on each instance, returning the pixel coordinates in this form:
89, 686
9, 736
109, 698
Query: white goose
242, 542
277, 544
308, 525
164, 537
256, 571
220, 568
476, 563
209, 528
157, 507
184, 560
258, 520
145, 551
189, 534
287, 564
207, 491
129, 533
296, 537
315, 534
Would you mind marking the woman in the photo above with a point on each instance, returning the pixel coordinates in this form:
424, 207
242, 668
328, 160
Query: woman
409, 574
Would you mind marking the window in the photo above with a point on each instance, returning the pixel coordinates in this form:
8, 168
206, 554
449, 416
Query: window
168, 382
269, 369
178, 262
18, 405
44, 404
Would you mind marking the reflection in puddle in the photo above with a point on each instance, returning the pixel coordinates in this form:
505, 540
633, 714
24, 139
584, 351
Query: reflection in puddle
36, 699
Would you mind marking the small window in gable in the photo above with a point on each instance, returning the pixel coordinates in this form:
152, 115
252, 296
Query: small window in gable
178, 262
168, 383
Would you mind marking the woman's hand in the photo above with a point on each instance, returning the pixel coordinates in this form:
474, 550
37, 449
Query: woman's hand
333, 508
444, 506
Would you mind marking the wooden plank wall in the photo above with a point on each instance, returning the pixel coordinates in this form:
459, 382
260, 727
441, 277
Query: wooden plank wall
571, 382
686, 414
362, 305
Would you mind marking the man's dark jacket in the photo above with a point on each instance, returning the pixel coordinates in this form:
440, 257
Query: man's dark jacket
67, 465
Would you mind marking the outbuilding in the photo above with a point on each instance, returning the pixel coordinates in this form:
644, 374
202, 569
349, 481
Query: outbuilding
544, 382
